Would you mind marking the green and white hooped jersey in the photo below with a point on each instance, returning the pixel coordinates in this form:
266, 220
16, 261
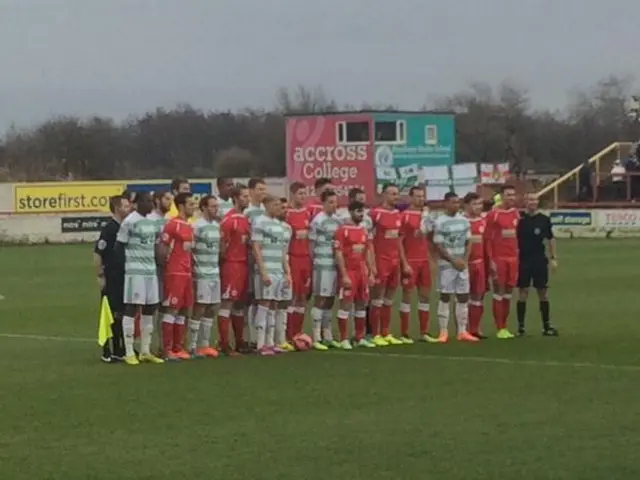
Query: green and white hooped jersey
224, 206
253, 212
273, 236
452, 232
206, 250
139, 235
159, 220
321, 234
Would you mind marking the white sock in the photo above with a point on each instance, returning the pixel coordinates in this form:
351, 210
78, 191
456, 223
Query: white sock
316, 315
250, 322
128, 330
271, 329
462, 316
443, 315
260, 324
281, 327
146, 333
205, 332
327, 330
194, 329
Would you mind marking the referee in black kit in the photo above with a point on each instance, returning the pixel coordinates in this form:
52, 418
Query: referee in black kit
533, 229
109, 263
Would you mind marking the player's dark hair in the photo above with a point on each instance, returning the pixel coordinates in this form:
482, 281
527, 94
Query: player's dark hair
387, 186
506, 187
355, 205
237, 190
470, 197
450, 195
115, 202
414, 189
354, 192
284, 199
296, 186
181, 198
159, 195
321, 182
204, 201
254, 182
326, 195
269, 199
128, 194
176, 182
222, 180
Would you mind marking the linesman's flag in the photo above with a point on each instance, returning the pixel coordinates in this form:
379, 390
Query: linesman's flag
106, 320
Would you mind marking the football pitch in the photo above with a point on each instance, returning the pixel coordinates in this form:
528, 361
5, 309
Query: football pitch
531, 408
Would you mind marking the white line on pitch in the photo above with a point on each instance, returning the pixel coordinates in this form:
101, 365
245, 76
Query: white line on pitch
408, 356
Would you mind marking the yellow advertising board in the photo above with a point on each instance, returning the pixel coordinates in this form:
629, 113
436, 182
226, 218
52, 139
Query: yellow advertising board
59, 197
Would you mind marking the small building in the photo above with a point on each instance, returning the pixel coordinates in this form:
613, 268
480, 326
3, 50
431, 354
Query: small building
368, 149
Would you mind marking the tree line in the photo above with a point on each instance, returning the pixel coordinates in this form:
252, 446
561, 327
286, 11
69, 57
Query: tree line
494, 124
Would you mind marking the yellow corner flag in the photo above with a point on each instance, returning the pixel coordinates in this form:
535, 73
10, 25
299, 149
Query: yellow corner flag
106, 320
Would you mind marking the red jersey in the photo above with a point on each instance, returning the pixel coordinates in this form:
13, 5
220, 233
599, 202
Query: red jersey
314, 208
414, 230
178, 235
236, 232
502, 226
353, 242
386, 228
298, 220
478, 239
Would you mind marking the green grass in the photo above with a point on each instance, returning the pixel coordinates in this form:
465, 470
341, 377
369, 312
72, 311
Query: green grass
534, 408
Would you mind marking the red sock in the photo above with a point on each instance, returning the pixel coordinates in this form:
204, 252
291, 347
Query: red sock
343, 328
178, 337
385, 319
237, 323
374, 319
506, 308
423, 317
404, 323
361, 327
167, 337
497, 312
223, 332
292, 321
474, 318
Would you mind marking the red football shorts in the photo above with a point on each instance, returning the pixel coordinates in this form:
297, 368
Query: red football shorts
388, 273
234, 278
300, 276
477, 278
420, 275
507, 272
359, 289
178, 291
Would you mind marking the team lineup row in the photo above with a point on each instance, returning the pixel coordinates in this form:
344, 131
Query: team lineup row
252, 263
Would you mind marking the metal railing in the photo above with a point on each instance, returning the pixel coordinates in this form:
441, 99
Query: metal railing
596, 159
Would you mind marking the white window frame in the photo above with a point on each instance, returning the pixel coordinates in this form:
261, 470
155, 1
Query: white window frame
400, 139
342, 126
427, 140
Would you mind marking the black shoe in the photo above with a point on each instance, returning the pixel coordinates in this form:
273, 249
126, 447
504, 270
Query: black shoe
480, 336
550, 332
106, 358
522, 332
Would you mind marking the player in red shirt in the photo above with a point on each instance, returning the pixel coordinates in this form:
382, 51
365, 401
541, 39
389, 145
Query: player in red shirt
415, 229
477, 262
354, 263
234, 271
176, 244
298, 217
502, 226
389, 258
316, 205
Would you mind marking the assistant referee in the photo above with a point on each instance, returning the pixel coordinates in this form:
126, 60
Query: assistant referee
534, 229
109, 263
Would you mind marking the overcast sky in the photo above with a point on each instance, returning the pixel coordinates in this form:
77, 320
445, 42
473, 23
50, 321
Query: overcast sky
116, 57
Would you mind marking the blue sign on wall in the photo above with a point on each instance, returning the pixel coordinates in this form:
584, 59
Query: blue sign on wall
198, 189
